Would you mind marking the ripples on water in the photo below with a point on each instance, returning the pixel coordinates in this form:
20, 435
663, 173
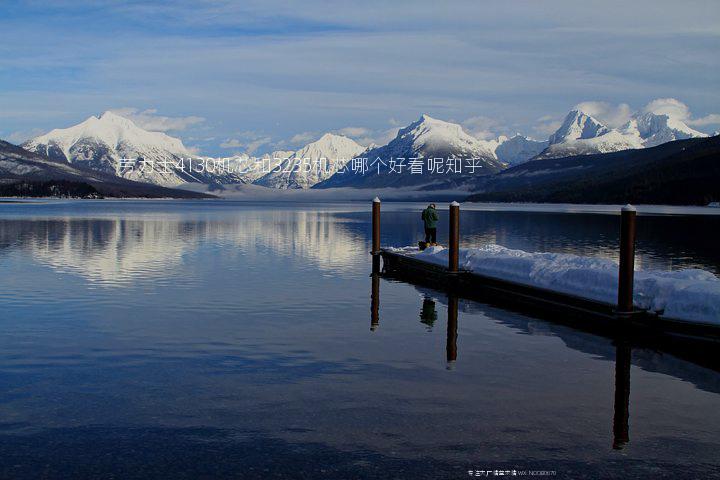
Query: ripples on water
220, 339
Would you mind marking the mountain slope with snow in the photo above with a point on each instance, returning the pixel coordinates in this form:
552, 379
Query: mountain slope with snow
425, 139
518, 149
577, 126
581, 134
653, 129
37, 173
681, 172
315, 162
115, 145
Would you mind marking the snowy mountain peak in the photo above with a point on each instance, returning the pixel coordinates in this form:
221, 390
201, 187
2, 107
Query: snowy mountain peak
426, 138
313, 163
331, 146
581, 134
100, 143
112, 131
434, 134
329, 139
655, 129
576, 126
518, 149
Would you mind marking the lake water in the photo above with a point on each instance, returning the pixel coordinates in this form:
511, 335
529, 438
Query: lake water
146, 339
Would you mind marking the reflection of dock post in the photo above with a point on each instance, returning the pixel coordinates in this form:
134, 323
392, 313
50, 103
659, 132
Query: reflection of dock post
452, 327
375, 301
621, 428
454, 240
375, 252
627, 260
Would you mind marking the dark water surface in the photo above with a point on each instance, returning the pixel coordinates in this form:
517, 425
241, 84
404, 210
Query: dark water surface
218, 339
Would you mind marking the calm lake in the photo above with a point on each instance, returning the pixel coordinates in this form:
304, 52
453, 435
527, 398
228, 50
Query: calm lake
164, 339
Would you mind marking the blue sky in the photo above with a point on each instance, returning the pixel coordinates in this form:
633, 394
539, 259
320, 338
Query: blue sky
257, 75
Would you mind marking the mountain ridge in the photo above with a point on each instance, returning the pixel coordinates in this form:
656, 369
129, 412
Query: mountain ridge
681, 172
40, 173
426, 138
313, 163
581, 134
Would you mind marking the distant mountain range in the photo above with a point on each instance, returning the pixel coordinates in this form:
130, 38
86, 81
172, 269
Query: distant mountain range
29, 174
312, 164
682, 172
114, 145
581, 134
392, 165
113, 154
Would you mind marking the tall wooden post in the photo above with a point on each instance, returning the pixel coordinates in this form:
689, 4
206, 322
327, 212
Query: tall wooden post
454, 240
376, 226
627, 260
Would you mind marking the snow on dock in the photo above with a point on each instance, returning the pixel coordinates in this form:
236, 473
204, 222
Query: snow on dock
690, 294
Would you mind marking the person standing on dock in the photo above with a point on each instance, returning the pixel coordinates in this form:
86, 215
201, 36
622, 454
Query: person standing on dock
430, 219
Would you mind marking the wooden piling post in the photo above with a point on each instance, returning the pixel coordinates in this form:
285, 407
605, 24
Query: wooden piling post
376, 226
454, 241
627, 260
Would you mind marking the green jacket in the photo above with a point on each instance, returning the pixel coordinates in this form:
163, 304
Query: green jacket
430, 217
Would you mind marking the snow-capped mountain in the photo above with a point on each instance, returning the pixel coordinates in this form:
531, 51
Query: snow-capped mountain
315, 162
518, 149
581, 134
653, 129
114, 144
249, 169
576, 126
38, 173
427, 138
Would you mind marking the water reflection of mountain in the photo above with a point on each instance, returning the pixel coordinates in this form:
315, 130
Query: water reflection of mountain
591, 344
119, 250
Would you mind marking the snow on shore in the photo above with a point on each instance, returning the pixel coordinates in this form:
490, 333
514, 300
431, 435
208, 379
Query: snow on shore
690, 294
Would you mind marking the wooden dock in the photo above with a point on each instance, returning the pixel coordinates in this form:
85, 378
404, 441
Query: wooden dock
575, 311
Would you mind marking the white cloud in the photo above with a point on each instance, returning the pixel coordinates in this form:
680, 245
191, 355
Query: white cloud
21, 136
248, 139
547, 125
149, 119
671, 107
231, 143
378, 137
712, 119
483, 128
254, 145
676, 109
611, 115
354, 132
303, 137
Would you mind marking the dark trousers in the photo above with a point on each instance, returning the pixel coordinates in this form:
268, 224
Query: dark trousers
430, 235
